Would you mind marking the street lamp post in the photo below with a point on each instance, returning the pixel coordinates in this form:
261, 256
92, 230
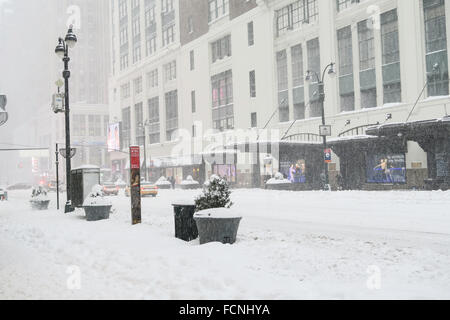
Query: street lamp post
143, 126
62, 51
321, 92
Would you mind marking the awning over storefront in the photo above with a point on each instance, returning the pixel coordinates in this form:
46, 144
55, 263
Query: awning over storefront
433, 136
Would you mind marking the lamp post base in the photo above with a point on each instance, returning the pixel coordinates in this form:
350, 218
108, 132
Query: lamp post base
68, 208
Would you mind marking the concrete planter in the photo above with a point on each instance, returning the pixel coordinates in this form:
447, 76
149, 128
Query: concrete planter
189, 186
96, 213
218, 228
281, 186
39, 204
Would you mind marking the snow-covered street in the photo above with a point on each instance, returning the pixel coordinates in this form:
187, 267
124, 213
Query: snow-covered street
291, 245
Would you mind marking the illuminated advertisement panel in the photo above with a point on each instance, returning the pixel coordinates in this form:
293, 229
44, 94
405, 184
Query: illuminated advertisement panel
114, 137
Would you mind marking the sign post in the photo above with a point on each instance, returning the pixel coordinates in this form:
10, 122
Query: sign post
135, 184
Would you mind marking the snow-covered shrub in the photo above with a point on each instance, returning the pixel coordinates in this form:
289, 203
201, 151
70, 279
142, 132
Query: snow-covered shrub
96, 198
162, 181
216, 195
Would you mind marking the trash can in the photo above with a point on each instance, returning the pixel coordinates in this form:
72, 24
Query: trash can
185, 226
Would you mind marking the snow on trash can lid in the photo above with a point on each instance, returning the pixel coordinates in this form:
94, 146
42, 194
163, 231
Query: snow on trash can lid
219, 213
183, 202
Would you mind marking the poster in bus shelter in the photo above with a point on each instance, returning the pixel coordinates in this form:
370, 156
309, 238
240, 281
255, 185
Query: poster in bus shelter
135, 185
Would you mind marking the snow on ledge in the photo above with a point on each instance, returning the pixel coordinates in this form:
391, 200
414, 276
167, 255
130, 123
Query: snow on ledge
219, 213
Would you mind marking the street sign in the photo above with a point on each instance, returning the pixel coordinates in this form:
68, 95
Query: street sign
325, 131
73, 152
135, 184
58, 102
327, 154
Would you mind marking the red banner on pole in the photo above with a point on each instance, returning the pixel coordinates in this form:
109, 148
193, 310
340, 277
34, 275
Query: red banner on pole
135, 158
135, 184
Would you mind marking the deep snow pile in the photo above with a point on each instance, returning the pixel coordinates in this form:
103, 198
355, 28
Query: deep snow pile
291, 245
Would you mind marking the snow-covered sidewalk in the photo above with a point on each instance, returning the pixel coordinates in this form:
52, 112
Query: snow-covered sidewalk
291, 245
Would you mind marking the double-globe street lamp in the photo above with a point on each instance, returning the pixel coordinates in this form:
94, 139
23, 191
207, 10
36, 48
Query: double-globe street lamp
321, 91
62, 51
142, 127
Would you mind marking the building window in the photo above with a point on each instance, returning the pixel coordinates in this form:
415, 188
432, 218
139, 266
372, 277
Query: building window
126, 127
124, 61
152, 79
295, 14
136, 27
150, 45
192, 60
253, 120
123, 10
125, 91
221, 48
194, 131
166, 6
217, 9
283, 92
193, 102
123, 36
313, 47
139, 123
367, 65
250, 34
222, 101
137, 85
190, 24
105, 125
171, 115
391, 57
252, 80
137, 53
346, 84
298, 82
344, 4
170, 71
168, 35
436, 47
79, 125
153, 118
149, 16
95, 125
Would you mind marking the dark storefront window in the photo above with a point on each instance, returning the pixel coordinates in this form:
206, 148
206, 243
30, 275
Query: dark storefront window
294, 171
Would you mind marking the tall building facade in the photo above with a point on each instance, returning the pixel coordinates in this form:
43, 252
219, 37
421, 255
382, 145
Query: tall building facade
216, 72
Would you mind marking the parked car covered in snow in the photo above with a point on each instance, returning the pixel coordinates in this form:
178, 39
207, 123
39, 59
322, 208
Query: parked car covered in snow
3, 194
147, 189
20, 186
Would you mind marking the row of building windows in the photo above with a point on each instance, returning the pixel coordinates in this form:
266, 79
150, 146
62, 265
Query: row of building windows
150, 39
170, 74
436, 62
93, 127
151, 126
